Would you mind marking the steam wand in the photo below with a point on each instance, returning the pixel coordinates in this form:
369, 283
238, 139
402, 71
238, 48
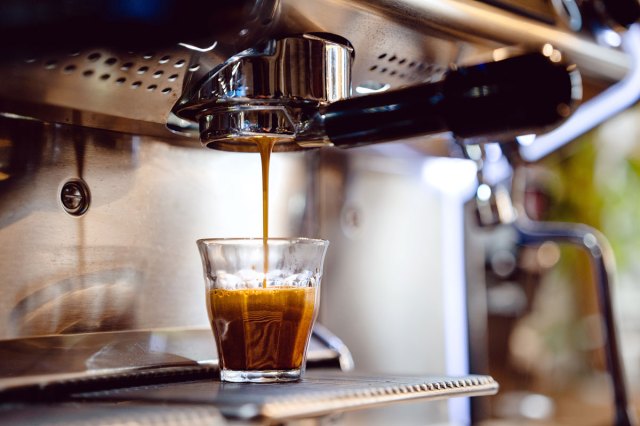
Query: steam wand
499, 209
602, 264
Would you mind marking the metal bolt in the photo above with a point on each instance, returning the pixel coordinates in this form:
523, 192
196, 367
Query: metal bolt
75, 197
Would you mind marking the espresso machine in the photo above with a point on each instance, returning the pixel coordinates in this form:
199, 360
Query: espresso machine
109, 112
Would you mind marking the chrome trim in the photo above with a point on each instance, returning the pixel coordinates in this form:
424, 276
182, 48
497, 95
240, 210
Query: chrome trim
269, 92
472, 20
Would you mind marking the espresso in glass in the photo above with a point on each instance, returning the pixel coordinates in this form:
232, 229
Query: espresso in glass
263, 328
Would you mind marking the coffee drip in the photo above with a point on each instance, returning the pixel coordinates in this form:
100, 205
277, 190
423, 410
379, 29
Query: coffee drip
265, 147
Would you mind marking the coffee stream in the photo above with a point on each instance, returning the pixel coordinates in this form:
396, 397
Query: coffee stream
265, 147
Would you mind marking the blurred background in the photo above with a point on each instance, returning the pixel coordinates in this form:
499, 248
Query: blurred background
544, 330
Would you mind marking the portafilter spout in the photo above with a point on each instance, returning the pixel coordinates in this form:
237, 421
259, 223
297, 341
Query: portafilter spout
296, 90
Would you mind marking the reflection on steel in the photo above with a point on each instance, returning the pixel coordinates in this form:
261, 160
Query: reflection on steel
199, 49
56, 360
82, 302
98, 360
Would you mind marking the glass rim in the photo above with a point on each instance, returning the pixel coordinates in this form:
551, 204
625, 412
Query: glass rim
253, 240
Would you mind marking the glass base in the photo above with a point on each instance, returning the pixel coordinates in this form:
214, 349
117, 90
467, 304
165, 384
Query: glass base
259, 376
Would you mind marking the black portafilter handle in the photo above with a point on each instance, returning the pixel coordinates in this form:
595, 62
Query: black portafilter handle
520, 95
622, 12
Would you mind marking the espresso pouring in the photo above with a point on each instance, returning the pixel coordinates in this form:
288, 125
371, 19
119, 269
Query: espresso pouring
262, 328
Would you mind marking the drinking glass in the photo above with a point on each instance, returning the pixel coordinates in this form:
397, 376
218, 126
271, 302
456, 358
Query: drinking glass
262, 298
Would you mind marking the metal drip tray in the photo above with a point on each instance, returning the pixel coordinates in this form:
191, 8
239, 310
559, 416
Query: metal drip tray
130, 378
321, 392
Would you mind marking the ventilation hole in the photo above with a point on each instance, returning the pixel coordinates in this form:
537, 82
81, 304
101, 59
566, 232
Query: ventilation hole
402, 61
126, 66
173, 77
69, 68
121, 80
94, 56
158, 73
393, 58
412, 64
164, 59
179, 63
166, 90
152, 87
147, 55
136, 84
30, 60
110, 61
194, 67
104, 77
392, 73
383, 70
74, 53
420, 66
373, 68
382, 56
51, 64
88, 73
401, 75
142, 70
